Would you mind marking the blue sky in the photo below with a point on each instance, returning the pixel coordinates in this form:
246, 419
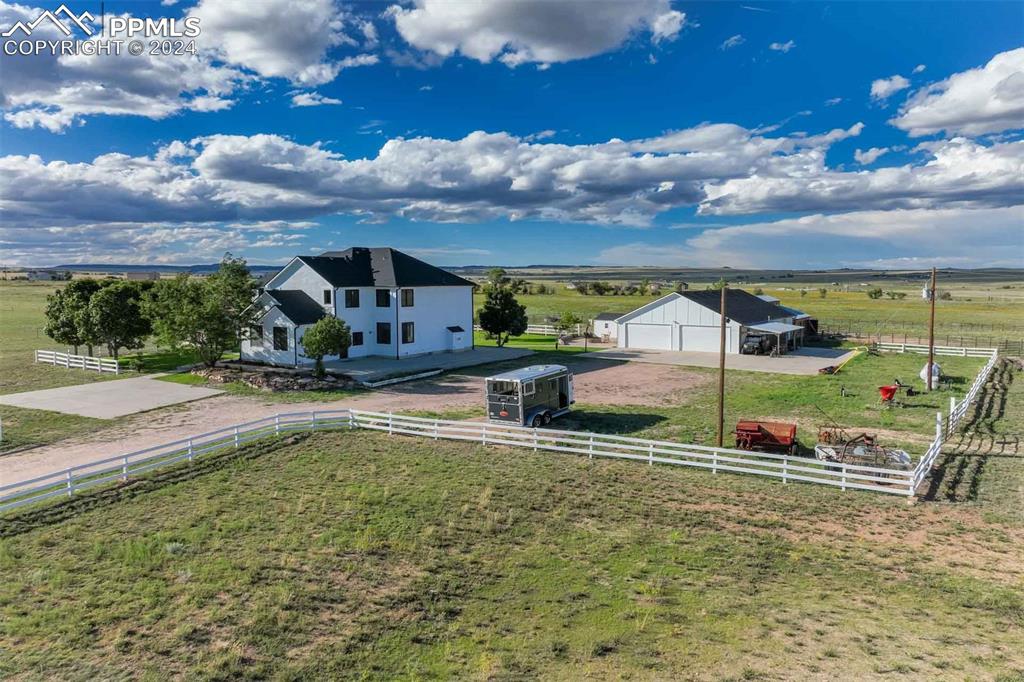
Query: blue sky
652, 132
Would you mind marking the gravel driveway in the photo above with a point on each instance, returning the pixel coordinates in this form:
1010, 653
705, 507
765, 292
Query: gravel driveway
600, 382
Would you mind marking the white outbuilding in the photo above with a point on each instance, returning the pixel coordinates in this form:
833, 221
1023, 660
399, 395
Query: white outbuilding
690, 321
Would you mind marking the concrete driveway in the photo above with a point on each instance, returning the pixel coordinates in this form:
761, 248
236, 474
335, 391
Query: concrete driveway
109, 399
805, 361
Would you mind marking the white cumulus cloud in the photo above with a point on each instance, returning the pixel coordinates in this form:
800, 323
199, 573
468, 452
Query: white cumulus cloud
869, 156
988, 99
312, 99
532, 31
782, 47
883, 88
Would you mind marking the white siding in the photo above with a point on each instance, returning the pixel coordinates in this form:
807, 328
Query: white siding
606, 328
297, 276
691, 327
263, 351
434, 309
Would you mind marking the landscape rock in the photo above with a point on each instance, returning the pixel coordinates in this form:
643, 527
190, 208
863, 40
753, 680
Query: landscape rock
272, 381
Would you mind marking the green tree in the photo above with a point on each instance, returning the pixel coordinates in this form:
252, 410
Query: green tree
720, 284
822, 292
568, 321
502, 315
67, 314
875, 293
644, 287
328, 336
207, 315
116, 317
758, 291
496, 277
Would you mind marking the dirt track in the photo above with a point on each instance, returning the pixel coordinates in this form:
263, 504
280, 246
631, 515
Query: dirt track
597, 382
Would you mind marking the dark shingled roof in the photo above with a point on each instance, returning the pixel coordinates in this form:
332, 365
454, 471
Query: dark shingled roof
608, 316
379, 267
298, 306
740, 305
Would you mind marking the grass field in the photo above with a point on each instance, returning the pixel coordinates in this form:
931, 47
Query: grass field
21, 324
356, 555
972, 305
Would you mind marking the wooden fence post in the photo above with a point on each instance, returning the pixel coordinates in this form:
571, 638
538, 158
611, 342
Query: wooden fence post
390, 423
591, 453
70, 486
650, 454
277, 424
236, 436
535, 439
313, 420
785, 463
714, 461
191, 453
843, 482
436, 427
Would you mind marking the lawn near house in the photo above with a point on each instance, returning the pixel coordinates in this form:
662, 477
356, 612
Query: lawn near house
403, 558
21, 333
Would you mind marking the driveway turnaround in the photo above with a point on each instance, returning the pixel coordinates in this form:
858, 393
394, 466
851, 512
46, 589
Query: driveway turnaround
109, 399
803, 361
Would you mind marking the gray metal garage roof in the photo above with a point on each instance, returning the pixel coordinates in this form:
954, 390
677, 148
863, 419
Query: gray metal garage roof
775, 327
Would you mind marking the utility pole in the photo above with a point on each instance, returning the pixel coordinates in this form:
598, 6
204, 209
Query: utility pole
721, 372
931, 332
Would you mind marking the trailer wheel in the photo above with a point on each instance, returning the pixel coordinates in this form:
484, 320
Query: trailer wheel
547, 418
538, 421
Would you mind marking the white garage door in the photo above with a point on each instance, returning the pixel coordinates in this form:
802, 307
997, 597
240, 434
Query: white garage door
649, 336
705, 339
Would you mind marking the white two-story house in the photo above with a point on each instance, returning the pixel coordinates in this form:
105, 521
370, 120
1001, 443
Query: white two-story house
395, 306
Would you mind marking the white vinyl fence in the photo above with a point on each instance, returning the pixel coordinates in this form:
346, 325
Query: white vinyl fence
939, 350
58, 359
66, 482
944, 429
547, 329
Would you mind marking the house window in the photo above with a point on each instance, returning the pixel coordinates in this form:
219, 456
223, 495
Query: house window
256, 333
407, 298
327, 297
280, 338
383, 298
357, 338
351, 298
408, 332
384, 332
528, 388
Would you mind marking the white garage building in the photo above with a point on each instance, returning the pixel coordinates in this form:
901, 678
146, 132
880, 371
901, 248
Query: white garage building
689, 321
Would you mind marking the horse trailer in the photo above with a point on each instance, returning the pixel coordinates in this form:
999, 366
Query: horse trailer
531, 396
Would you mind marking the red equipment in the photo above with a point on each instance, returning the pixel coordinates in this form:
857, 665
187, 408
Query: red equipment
888, 393
766, 436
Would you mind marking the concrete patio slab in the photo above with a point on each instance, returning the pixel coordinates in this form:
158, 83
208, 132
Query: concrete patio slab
806, 361
377, 368
109, 399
